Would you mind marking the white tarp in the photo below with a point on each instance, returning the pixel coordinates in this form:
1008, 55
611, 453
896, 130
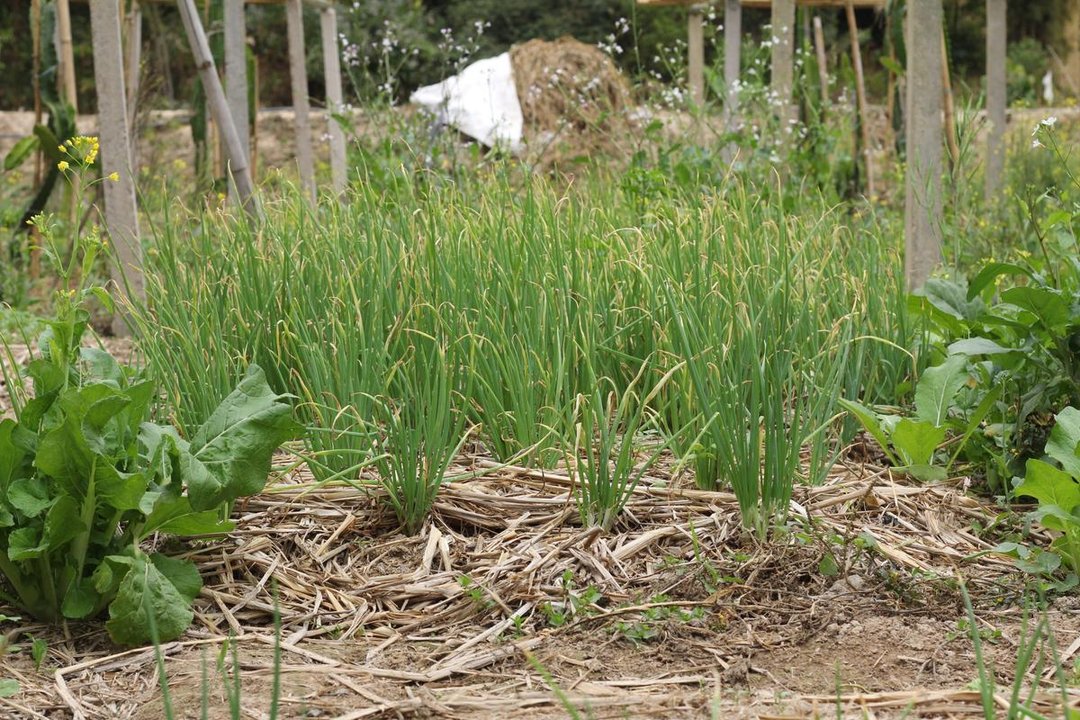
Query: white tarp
481, 102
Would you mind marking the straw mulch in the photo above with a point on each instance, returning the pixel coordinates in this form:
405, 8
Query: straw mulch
674, 614
574, 101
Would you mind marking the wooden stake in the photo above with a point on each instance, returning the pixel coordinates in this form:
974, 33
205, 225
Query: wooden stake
922, 207
132, 68
121, 217
732, 58
68, 90
334, 97
695, 48
995, 95
236, 84
950, 106
294, 15
783, 63
219, 107
35, 39
860, 98
822, 62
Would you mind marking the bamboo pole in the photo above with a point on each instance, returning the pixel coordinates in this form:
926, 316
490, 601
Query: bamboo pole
294, 15
236, 83
995, 95
334, 97
860, 98
922, 207
695, 50
219, 107
121, 216
68, 90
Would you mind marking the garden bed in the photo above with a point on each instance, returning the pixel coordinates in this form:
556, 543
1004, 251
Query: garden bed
674, 614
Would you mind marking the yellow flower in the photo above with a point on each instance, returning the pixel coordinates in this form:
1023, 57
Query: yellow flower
62, 148
114, 176
62, 166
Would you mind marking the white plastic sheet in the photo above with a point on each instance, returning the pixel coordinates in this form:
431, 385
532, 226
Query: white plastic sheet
481, 102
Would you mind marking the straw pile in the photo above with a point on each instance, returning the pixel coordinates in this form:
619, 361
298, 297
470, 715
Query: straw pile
573, 99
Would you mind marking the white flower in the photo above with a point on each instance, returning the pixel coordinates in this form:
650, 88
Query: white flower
1050, 121
1035, 144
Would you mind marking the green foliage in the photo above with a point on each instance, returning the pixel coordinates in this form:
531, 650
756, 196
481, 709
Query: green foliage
1019, 326
85, 476
419, 429
1058, 490
602, 458
912, 443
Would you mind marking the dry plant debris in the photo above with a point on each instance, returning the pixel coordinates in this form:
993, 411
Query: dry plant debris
574, 100
674, 613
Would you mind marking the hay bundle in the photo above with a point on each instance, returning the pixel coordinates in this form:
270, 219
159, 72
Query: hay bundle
573, 99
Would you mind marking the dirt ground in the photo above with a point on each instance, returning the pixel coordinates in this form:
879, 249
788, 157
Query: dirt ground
504, 606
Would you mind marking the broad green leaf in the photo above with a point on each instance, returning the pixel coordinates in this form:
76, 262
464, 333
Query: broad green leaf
9, 687
230, 455
174, 516
992, 271
80, 600
62, 523
828, 566
181, 573
146, 596
951, 297
1050, 306
1049, 486
20, 152
11, 456
161, 446
938, 387
1055, 517
869, 420
916, 441
948, 321
1064, 442
25, 543
50, 144
979, 346
64, 456
109, 574
924, 473
101, 365
30, 496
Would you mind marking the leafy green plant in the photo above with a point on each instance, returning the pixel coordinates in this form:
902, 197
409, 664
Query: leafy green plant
912, 443
1058, 490
85, 476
